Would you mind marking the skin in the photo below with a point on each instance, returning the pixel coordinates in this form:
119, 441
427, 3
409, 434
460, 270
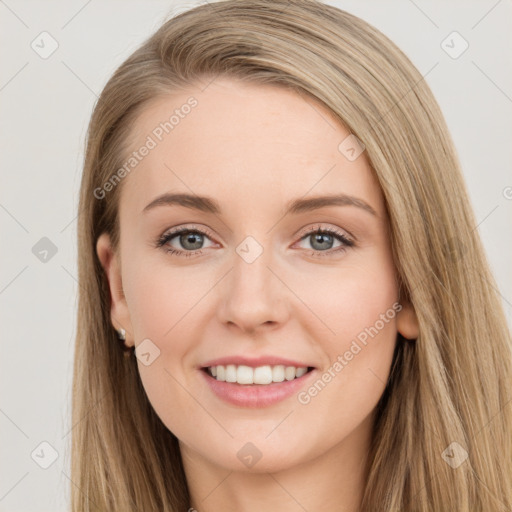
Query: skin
253, 148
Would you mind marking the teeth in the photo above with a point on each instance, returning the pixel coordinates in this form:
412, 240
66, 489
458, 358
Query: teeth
301, 371
278, 373
260, 375
244, 375
289, 373
230, 373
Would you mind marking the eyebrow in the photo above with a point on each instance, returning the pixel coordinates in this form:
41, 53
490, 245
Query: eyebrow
209, 205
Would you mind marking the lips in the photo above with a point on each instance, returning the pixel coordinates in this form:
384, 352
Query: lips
255, 382
256, 395
257, 361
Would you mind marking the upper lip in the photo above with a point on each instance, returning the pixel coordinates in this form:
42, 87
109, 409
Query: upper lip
255, 361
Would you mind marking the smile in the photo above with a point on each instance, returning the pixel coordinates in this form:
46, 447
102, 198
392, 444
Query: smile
266, 374
255, 387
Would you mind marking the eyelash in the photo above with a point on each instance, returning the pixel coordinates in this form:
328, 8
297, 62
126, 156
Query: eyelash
167, 237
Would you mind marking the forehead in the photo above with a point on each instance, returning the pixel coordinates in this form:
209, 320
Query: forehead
238, 141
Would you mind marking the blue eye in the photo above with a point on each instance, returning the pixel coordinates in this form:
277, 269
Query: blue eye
185, 236
190, 237
321, 237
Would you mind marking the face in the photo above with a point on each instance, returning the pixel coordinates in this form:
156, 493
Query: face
261, 278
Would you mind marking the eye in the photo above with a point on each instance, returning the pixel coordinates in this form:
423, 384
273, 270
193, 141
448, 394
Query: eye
191, 239
322, 240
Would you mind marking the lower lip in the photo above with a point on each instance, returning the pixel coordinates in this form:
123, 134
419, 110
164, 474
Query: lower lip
255, 395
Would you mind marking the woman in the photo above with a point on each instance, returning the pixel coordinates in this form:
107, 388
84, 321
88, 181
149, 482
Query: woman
273, 215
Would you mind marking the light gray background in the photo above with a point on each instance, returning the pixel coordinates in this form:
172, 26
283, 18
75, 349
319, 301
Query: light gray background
45, 108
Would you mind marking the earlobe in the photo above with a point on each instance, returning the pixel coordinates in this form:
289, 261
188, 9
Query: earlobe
109, 260
407, 322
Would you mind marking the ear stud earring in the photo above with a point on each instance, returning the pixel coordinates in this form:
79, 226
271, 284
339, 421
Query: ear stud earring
128, 351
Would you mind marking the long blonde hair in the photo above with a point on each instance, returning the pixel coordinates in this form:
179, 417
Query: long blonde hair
449, 386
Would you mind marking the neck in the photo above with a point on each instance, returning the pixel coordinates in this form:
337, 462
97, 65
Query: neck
330, 481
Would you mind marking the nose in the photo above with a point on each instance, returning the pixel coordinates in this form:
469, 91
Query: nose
252, 295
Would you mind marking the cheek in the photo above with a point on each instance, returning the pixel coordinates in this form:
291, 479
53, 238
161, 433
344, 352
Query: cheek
163, 306
347, 300
162, 299
358, 309
348, 391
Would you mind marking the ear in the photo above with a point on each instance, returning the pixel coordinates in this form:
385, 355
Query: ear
119, 314
407, 322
